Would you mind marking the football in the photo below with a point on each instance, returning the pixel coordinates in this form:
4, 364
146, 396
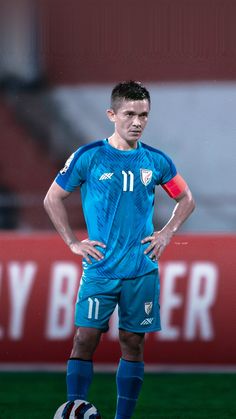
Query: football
78, 409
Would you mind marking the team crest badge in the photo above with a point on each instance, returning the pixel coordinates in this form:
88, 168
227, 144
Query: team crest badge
148, 307
146, 176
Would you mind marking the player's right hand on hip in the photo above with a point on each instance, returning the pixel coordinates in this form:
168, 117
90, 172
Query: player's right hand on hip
87, 248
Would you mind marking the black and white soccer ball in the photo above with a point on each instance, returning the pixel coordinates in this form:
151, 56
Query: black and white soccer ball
78, 409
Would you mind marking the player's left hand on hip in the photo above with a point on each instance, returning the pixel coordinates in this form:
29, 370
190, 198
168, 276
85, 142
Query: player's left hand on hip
158, 242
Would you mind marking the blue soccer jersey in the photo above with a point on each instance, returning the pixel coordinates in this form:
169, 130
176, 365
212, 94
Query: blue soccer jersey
117, 192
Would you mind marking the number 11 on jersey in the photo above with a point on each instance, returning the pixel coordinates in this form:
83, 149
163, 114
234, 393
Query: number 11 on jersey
128, 176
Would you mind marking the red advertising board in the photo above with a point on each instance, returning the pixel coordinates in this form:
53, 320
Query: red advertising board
39, 278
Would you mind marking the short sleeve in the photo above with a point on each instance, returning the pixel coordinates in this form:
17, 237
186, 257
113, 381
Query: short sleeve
73, 173
168, 169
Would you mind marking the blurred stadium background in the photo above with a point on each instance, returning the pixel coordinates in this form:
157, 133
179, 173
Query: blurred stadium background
58, 63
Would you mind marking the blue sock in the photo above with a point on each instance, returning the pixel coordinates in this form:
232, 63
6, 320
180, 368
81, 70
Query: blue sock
78, 378
129, 380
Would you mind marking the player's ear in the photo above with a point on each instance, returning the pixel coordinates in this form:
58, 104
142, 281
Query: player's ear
111, 115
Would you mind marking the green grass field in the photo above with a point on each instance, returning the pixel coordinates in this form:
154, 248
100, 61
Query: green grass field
37, 395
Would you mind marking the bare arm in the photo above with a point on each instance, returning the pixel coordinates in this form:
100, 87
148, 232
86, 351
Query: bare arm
160, 239
55, 207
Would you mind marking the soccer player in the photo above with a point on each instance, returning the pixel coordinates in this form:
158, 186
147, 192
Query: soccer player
117, 178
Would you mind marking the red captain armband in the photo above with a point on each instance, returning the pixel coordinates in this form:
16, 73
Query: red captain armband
175, 186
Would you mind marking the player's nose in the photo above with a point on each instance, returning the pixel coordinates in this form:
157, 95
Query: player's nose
136, 121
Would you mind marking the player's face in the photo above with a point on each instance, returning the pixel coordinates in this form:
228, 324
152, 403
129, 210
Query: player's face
130, 119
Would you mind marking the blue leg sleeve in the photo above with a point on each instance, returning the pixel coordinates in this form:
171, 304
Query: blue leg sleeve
78, 379
129, 379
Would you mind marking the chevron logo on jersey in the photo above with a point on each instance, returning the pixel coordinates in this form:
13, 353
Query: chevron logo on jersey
146, 176
106, 176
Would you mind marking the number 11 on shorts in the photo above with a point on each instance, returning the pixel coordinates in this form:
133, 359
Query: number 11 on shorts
93, 308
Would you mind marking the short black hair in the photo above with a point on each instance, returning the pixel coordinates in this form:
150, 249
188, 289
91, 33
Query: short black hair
128, 90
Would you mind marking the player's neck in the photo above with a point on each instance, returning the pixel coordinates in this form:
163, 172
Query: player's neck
122, 144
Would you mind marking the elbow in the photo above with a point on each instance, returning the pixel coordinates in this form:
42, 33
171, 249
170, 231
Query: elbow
192, 204
46, 203
189, 201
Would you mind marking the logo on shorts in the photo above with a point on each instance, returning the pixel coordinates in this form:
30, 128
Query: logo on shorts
146, 176
147, 322
148, 307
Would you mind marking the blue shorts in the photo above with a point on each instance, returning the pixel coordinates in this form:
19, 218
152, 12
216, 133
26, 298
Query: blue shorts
137, 299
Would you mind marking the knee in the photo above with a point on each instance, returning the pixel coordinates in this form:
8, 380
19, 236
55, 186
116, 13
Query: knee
81, 340
131, 345
84, 343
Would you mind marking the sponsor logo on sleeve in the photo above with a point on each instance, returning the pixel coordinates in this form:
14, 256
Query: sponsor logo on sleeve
67, 164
